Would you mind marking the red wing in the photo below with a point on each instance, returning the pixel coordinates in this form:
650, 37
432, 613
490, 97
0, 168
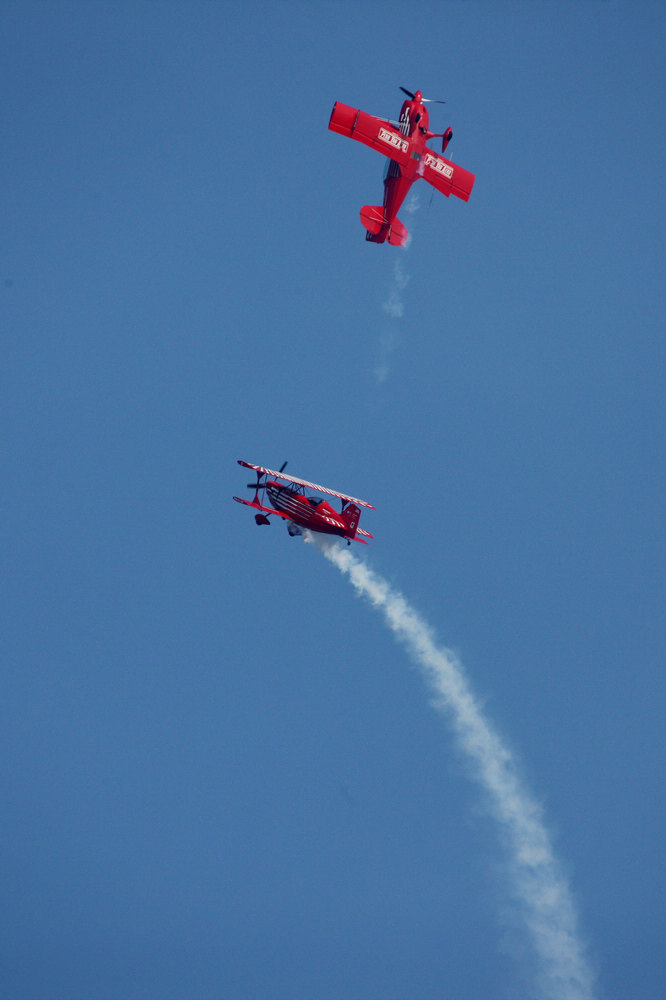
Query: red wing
304, 482
267, 510
446, 176
374, 132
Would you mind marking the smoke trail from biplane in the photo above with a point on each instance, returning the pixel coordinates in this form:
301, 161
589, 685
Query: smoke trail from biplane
535, 880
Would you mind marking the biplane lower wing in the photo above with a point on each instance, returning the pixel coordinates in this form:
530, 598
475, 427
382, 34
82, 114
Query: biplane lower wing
279, 513
445, 176
374, 132
266, 510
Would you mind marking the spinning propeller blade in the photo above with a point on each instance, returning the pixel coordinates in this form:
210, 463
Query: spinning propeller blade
426, 100
258, 485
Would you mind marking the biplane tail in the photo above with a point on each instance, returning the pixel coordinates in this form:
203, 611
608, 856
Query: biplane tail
351, 516
379, 230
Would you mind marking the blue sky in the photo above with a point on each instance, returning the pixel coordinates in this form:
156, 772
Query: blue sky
222, 777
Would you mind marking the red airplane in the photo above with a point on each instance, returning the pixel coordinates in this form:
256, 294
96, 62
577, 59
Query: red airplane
405, 145
291, 503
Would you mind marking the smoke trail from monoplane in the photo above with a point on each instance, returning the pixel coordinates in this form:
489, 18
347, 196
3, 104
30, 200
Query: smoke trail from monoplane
394, 304
394, 307
535, 878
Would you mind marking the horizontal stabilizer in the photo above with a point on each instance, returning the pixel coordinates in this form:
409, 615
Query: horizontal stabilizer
372, 217
398, 233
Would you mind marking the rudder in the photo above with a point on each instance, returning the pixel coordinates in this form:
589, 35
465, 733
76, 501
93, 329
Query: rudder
351, 516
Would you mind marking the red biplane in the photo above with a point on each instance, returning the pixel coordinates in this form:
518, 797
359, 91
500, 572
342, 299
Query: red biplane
302, 511
404, 143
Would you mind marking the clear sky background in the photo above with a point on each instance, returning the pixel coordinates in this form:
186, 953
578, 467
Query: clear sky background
221, 777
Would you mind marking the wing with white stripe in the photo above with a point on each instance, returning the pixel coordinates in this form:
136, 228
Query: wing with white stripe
304, 482
447, 177
375, 132
267, 510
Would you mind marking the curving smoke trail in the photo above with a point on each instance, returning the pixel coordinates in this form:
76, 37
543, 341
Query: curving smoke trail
535, 877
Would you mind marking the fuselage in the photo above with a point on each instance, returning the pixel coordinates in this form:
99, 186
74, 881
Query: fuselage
308, 512
413, 125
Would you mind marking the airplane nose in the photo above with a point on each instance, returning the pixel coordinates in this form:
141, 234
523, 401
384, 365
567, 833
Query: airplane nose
418, 96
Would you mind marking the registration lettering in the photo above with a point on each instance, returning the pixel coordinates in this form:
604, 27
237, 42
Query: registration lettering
393, 139
441, 166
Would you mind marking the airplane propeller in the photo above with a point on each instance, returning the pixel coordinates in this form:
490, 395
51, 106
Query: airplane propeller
426, 100
258, 485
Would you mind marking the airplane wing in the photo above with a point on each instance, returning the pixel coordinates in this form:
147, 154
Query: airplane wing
266, 510
446, 176
374, 132
303, 482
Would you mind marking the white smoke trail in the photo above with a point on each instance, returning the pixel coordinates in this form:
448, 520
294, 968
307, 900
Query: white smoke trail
394, 306
536, 879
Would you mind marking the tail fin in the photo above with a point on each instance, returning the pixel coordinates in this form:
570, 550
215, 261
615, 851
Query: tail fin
351, 516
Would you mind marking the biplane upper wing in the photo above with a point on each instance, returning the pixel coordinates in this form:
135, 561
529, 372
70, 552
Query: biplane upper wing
446, 176
304, 482
374, 132
266, 510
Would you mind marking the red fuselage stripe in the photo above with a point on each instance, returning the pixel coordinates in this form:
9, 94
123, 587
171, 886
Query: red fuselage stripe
303, 513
